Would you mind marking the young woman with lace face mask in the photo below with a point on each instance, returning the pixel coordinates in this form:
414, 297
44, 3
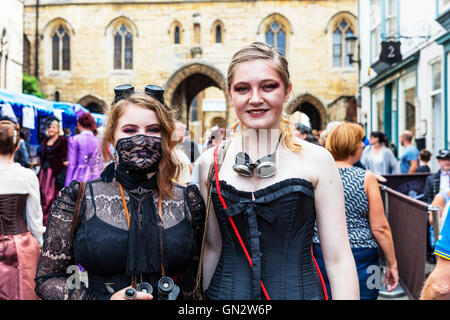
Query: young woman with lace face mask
274, 210
138, 220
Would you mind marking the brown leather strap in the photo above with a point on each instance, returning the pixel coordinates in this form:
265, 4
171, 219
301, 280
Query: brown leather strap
76, 212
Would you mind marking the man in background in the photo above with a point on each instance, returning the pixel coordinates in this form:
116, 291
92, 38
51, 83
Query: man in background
409, 161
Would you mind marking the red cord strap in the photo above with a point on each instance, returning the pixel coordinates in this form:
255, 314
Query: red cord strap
222, 200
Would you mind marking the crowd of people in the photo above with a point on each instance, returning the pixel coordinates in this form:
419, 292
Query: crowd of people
141, 205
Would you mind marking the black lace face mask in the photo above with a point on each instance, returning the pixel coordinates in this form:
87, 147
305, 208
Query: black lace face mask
139, 153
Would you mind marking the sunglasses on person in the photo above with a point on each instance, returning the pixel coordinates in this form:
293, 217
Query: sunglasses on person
123, 91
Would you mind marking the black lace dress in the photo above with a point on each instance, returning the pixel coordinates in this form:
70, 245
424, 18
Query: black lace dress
101, 241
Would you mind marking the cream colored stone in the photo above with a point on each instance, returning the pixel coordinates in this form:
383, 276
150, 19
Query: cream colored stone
156, 59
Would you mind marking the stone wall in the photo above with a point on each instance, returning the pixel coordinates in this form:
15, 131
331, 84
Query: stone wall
156, 59
11, 44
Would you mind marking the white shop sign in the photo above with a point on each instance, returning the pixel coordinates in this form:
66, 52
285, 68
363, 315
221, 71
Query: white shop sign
214, 105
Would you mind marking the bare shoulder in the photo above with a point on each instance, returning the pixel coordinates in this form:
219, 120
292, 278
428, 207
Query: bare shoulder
204, 162
313, 151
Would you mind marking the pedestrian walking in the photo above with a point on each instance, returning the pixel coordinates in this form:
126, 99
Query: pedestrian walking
367, 226
260, 226
409, 161
21, 225
424, 158
53, 161
84, 154
377, 157
134, 226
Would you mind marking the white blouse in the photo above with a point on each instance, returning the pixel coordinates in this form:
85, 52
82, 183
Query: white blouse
16, 179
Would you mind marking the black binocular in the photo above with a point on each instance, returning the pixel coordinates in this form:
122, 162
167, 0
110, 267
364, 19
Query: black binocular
167, 289
123, 91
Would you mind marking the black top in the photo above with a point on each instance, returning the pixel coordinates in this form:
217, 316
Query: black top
101, 241
277, 229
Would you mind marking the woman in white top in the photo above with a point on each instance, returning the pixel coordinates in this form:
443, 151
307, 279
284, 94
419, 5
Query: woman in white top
377, 157
20, 234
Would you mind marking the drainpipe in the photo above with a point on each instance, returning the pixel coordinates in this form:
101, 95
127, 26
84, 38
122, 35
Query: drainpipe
36, 43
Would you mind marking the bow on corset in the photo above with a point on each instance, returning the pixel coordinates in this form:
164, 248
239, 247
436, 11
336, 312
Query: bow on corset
251, 209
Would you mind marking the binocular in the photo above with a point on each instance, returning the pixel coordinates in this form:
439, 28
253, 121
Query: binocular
123, 91
167, 289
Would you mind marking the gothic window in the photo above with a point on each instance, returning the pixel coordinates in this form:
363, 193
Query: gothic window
218, 33
341, 31
123, 48
60, 49
176, 35
276, 36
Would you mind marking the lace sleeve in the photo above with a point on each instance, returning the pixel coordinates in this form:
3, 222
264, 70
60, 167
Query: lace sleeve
55, 276
196, 207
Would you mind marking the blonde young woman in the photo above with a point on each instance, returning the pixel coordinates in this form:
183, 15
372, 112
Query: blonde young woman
260, 229
53, 159
135, 224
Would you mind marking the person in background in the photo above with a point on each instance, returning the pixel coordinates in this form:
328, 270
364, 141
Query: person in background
367, 226
434, 184
21, 227
365, 139
67, 133
409, 161
22, 155
377, 157
424, 158
439, 181
190, 148
84, 154
305, 133
216, 137
52, 160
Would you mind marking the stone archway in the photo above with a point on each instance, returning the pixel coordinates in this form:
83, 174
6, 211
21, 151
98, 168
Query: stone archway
188, 81
93, 104
312, 107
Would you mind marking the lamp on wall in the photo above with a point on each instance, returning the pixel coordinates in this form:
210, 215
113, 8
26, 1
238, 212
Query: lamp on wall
350, 42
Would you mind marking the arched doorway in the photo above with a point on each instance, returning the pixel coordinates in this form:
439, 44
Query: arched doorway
93, 104
186, 83
312, 107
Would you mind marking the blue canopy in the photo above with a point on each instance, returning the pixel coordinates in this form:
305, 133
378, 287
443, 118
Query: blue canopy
20, 100
44, 108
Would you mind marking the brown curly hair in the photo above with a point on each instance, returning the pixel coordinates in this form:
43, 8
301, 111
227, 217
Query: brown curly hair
167, 167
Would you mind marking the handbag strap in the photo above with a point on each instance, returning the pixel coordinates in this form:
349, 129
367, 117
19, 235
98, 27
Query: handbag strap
222, 148
76, 212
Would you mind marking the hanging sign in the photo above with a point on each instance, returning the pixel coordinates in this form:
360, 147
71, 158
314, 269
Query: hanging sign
390, 52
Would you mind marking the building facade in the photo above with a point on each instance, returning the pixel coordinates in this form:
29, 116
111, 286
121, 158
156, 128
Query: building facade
11, 44
80, 50
402, 71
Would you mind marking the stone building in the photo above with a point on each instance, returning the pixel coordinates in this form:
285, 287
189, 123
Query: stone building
85, 48
11, 44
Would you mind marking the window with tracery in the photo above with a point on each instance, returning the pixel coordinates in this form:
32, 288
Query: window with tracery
60, 49
276, 36
340, 54
123, 48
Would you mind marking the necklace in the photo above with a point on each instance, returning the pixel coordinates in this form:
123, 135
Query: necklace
160, 227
